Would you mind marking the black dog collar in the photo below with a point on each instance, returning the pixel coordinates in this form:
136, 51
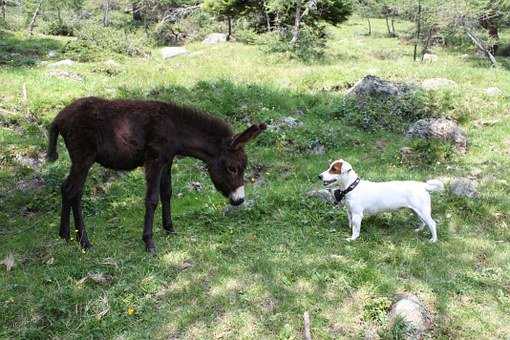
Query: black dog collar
340, 194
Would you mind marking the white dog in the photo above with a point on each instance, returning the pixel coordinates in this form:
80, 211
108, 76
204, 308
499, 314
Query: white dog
367, 198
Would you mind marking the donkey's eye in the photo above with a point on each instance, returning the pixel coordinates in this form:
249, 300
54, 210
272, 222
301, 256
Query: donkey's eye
232, 169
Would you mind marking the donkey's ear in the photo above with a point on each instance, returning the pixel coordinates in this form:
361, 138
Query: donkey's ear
244, 137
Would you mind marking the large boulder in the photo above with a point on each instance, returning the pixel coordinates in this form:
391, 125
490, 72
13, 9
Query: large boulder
171, 52
375, 86
215, 38
61, 74
439, 128
410, 310
438, 84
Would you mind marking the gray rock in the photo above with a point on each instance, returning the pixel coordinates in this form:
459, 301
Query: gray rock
493, 92
464, 187
438, 84
215, 38
317, 148
65, 75
32, 162
65, 62
52, 54
30, 184
322, 194
229, 209
171, 52
409, 309
195, 186
439, 128
375, 86
430, 58
286, 122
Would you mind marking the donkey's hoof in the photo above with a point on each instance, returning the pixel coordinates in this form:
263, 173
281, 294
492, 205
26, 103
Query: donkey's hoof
65, 236
169, 230
151, 250
86, 246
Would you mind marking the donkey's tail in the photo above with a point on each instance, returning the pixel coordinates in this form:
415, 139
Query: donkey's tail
52, 154
434, 185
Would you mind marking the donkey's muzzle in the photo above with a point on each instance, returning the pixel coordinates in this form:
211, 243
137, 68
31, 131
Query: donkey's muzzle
237, 196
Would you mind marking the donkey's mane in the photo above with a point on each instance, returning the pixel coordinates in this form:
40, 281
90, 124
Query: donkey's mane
199, 119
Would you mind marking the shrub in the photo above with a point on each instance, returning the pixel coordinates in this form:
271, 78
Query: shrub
311, 43
93, 40
58, 28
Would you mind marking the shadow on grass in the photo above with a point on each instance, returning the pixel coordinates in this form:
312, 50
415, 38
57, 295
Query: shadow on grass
26, 51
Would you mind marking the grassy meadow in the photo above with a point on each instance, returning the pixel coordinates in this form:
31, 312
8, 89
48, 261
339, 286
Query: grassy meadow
252, 273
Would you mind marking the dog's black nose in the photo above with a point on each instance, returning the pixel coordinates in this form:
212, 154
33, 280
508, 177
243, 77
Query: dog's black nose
320, 176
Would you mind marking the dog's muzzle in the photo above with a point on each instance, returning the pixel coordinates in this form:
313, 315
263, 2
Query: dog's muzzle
237, 196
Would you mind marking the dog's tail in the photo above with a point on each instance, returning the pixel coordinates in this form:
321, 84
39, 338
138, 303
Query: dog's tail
434, 185
52, 153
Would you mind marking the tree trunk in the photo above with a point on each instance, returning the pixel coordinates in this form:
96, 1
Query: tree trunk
34, 17
137, 12
106, 13
388, 25
369, 27
427, 43
229, 21
2, 9
393, 27
297, 23
418, 31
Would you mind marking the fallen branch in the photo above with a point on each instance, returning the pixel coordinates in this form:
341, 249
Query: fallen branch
34, 17
480, 45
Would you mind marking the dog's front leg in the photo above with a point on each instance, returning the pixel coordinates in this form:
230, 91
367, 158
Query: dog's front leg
356, 226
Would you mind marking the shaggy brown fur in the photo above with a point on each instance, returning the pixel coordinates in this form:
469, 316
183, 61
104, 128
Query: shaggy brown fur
126, 134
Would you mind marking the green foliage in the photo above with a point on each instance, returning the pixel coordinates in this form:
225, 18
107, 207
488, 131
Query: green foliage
94, 40
310, 46
427, 152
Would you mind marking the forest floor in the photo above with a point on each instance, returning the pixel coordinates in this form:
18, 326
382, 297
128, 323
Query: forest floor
254, 272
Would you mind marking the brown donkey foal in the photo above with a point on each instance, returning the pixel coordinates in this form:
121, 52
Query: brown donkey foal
126, 134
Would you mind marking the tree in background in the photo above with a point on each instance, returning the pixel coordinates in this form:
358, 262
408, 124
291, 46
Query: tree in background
228, 9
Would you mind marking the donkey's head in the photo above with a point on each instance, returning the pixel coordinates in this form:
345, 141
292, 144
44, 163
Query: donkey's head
227, 170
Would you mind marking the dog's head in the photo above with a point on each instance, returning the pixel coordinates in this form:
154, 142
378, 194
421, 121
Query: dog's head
336, 170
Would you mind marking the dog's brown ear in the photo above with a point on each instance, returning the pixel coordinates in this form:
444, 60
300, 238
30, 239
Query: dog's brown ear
336, 168
244, 137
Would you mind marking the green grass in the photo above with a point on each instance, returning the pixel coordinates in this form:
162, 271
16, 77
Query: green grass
253, 273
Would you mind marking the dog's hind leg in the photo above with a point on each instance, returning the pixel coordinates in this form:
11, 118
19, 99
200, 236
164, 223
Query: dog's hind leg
424, 215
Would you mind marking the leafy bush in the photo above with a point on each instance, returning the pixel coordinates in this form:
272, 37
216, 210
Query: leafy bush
426, 152
311, 43
58, 28
94, 40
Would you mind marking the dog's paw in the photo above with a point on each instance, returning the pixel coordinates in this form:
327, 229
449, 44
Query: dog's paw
433, 240
350, 239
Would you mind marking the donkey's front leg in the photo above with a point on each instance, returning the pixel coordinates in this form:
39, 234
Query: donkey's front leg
166, 196
153, 169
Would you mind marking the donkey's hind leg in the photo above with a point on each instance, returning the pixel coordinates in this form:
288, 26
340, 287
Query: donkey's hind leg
81, 234
72, 190
166, 196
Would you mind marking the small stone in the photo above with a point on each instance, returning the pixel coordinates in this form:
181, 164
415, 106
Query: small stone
65, 75
52, 54
30, 184
493, 92
215, 38
195, 186
65, 62
286, 122
317, 148
229, 209
411, 310
438, 84
430, 58
322, 194
171, 52
464, 187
